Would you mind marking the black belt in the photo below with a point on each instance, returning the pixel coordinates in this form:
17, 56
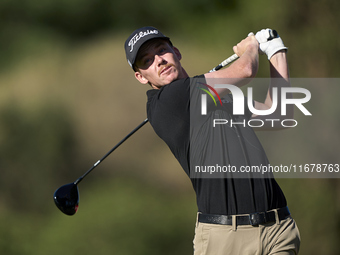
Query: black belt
253, 219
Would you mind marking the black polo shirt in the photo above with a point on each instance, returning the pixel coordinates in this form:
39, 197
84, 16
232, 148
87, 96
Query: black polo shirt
170, 111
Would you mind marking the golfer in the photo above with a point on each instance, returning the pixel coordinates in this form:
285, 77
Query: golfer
236, 214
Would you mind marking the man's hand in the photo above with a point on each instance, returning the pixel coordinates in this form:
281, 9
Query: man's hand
248, 42
241, 71
269, 47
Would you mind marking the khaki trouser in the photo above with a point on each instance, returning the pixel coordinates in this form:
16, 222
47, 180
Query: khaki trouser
281, 238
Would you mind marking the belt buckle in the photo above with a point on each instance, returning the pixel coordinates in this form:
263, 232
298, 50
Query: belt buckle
257, 218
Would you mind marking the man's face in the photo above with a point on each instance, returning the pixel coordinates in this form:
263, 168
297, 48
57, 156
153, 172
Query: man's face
158, 63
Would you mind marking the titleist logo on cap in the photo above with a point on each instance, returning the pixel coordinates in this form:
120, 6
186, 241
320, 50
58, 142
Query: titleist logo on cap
140, 35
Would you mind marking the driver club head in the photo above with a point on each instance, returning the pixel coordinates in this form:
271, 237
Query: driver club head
66, 198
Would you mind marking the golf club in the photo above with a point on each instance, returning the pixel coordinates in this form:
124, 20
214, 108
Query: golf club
66, 197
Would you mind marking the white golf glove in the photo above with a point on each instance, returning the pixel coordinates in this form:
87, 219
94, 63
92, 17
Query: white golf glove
269, 46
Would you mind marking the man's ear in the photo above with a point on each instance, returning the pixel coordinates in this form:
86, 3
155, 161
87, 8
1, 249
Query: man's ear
178, 54
141, 78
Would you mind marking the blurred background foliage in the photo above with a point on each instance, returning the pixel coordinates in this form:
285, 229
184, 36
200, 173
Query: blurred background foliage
67, 96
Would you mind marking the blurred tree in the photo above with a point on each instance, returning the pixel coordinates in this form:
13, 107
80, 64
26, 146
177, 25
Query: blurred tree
316, 24
24, 24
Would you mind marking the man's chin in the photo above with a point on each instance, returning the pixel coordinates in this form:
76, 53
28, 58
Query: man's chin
166, 79
171, 77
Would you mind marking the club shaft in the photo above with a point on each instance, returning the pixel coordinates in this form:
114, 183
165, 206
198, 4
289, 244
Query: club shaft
107, 154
